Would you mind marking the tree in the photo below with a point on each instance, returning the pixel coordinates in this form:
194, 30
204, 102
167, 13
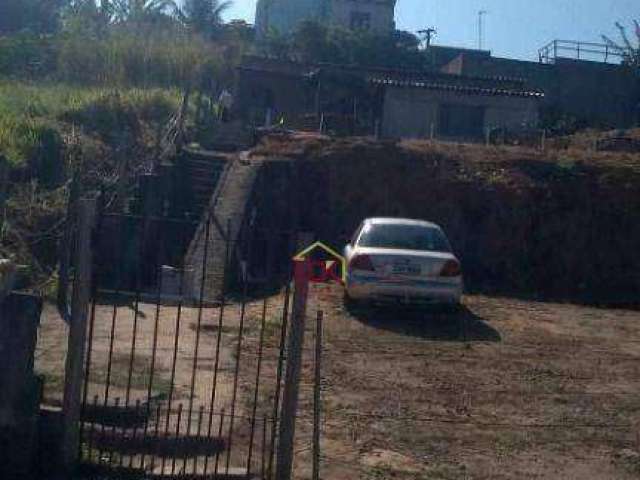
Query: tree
203, 16
629, 49
88, 18
140, 12
313, 42
34, 16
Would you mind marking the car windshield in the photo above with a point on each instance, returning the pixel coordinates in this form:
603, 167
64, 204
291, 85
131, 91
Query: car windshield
404, 237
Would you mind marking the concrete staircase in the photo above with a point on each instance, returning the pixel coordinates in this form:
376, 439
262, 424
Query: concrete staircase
203, 170
228, 137
223, 219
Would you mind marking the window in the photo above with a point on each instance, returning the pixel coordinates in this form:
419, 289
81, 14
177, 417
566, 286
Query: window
404, 237
462, 121
360, 21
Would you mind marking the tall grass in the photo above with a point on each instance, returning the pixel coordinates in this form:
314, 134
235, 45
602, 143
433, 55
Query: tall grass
125, 58
120, 56
32, 114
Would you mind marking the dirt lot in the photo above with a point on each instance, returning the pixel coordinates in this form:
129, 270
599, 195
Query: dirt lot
505, 389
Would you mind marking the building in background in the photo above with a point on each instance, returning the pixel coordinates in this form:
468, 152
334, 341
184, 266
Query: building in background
284, 16
394, 103
582, 82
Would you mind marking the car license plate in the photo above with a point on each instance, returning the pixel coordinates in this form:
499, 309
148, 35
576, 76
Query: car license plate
405, 269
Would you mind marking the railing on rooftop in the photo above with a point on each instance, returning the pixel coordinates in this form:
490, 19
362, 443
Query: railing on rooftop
598, 52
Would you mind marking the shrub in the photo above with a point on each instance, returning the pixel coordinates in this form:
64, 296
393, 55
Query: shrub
33, 144
27, 55
111, 112
128, 59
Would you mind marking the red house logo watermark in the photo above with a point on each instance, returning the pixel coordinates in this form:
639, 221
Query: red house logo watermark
319, 263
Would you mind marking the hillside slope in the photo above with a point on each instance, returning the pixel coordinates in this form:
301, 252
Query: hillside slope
562, 224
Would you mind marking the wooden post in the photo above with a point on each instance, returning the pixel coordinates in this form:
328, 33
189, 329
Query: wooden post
316, 398
287, 427
4, 176
77, 334
65, 247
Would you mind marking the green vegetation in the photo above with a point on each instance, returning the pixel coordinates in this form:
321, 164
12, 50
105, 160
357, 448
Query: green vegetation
93, 84
314, 42
32, 116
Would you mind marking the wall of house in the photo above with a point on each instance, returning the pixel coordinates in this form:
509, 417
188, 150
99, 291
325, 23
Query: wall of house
382, 13
286, 95
598, 93
285, 15
414, 112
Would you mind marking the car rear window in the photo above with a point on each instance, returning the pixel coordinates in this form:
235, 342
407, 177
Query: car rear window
404, 237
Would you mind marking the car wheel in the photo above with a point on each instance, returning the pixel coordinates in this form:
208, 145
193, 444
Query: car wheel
450, 308
351, 304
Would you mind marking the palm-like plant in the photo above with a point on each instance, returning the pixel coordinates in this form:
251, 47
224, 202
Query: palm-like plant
202, 16
87, 16
629, 49
141, 11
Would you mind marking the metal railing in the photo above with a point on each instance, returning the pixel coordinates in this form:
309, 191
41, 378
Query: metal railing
580, 51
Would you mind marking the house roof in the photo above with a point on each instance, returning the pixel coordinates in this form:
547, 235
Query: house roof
432, 80
457, 88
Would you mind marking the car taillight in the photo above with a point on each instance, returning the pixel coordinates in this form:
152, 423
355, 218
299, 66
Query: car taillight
362, 262
451, 269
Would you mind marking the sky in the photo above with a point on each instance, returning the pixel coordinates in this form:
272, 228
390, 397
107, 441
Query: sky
513, 28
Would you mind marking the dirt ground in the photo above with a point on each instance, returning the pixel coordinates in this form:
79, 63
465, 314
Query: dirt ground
192, 367
506, 388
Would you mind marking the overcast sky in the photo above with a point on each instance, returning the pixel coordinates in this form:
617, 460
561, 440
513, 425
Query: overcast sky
514, 28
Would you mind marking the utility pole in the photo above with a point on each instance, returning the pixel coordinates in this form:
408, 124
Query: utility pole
481, 15
427, 35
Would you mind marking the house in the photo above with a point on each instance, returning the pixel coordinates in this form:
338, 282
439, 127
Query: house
392, 102
455, 107
284, 16
584, 82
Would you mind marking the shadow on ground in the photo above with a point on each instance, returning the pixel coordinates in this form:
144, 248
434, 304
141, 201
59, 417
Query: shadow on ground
129, 443
428, 323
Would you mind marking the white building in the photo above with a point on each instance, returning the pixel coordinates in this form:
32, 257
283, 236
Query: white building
285, 15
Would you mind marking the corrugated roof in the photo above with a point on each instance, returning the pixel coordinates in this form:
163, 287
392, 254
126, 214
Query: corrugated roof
452, 87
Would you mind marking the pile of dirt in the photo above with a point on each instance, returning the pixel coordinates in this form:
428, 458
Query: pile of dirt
558, 224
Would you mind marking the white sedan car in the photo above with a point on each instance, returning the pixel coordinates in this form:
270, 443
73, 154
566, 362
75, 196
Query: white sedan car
402, 261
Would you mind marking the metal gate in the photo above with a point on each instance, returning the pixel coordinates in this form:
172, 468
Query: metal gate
177, 386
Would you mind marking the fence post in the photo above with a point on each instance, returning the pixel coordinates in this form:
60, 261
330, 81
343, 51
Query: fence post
65, 247
316, 397
4, 176
292, 376
77, 334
